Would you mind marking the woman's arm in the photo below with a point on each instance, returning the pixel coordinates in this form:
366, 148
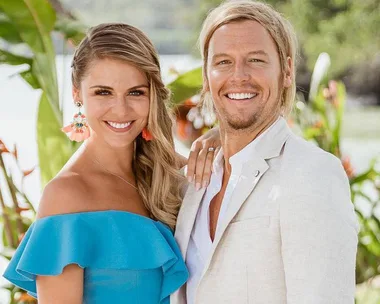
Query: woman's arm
62, 289
61, 196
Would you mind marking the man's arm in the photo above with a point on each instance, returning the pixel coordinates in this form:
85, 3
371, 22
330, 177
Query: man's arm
319, 236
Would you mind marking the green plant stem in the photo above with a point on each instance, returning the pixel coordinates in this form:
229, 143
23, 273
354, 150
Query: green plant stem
11, 188
7, 222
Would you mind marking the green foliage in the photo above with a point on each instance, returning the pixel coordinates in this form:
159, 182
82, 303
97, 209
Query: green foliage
346, 29
73, 31
16, 216
320, 121
54, 149
31, 23
34, 21
186, 85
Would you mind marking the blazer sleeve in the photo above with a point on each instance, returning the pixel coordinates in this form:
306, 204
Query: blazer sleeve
319, 231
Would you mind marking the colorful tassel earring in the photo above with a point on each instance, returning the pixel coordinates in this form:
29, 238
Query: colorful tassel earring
146, 134
78, 129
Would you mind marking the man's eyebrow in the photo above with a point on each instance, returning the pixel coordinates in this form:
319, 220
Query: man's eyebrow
215, 56
258, 52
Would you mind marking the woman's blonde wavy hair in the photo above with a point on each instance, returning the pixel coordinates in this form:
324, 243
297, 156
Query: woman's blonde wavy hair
277, 26
155, 164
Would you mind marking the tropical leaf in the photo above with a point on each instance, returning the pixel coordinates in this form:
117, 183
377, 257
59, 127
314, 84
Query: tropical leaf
8, 31
34, 20
30, 78
186, 86
73, 30
13, 59
339, 104
54, 148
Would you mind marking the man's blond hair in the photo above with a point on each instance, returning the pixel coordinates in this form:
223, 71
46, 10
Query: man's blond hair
277, 26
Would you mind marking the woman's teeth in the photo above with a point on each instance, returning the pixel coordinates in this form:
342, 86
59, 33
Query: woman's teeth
119, 125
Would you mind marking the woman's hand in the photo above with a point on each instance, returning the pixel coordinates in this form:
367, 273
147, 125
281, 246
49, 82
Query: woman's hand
202, 153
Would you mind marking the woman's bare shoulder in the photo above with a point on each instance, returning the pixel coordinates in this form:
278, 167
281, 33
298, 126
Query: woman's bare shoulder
66, 193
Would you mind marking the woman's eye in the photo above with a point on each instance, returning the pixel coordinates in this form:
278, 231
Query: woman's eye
102, 92
136, 93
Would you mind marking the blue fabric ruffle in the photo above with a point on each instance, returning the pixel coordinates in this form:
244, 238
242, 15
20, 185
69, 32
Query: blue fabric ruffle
98, 240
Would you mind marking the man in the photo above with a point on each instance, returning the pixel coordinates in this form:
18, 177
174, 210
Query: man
276, 224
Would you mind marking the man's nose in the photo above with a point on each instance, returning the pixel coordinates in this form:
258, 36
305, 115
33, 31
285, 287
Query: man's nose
240, 73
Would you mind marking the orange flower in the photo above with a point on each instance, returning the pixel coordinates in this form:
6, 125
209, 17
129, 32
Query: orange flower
20, 209
346, 162
28, 172
3, 148
15, 152
25, 298
20, 237
318, 124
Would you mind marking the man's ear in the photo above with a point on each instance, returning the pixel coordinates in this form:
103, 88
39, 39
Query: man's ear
288, 78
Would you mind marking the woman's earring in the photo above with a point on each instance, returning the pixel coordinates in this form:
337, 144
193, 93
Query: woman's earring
146, 134
78, 129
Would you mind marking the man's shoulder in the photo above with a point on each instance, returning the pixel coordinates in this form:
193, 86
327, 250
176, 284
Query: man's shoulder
300, 154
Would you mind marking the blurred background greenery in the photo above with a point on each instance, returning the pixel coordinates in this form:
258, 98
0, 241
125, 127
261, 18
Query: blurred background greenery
37, 36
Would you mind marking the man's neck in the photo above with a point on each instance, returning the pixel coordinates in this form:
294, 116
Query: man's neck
234, 141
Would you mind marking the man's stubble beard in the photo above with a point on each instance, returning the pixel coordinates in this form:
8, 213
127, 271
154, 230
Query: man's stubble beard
235, 122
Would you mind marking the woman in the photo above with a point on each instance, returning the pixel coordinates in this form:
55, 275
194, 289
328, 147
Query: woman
102, 233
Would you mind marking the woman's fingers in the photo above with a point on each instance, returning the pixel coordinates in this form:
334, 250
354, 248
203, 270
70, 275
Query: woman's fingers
200, 166
207, 167
201, 157
196, 147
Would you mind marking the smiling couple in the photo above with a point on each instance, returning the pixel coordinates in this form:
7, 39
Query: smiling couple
272, 224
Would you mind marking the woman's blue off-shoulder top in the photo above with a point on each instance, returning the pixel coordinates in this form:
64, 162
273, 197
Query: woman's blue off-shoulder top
126, 257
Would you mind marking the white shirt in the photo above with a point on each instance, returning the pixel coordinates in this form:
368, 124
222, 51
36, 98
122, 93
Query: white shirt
200, 243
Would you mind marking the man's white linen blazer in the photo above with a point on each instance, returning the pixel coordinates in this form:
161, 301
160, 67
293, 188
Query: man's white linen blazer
289, 234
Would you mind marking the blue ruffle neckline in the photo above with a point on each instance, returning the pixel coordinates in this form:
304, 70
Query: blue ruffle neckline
99, 239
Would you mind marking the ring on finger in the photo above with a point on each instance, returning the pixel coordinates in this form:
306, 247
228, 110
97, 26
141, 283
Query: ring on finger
211, 149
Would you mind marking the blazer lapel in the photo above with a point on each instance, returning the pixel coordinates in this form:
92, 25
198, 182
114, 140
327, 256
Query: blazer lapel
248, 180
186, 217
270, 146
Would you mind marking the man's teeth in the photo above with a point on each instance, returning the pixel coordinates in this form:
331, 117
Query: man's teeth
241, 95
118, 125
